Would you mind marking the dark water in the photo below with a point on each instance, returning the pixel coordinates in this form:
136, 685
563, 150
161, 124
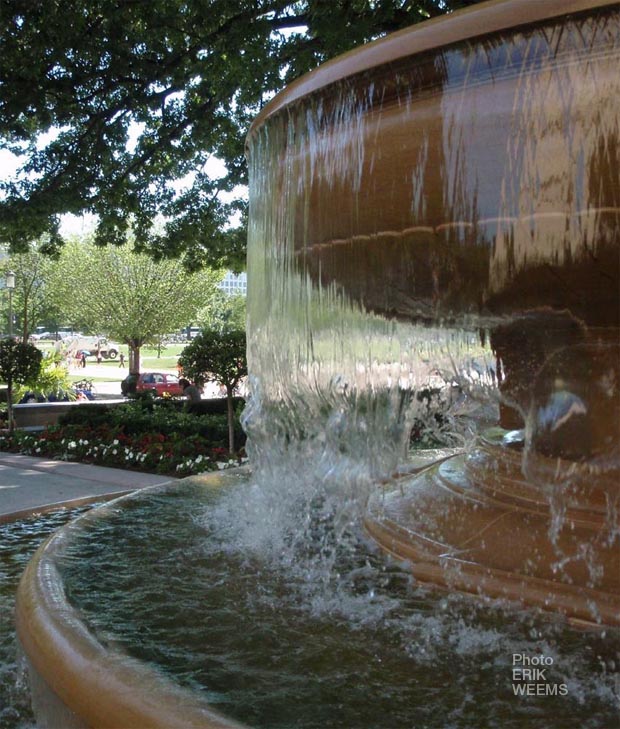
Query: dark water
18, 541
268, 645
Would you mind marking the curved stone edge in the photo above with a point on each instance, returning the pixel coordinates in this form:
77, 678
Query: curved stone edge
462, 25
95, 687
429, 564
46, 508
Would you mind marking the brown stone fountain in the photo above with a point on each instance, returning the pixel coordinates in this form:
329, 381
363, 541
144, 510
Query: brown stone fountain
464, 175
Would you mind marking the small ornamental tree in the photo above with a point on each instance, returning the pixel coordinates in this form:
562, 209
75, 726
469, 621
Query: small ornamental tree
19, 363
217, 355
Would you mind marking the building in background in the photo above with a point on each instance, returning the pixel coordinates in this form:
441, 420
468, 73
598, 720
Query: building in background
234, 284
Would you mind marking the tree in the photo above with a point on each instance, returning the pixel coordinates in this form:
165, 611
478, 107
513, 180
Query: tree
127, 296
114, 104
223, 311
31, 296
218, 355
19, 363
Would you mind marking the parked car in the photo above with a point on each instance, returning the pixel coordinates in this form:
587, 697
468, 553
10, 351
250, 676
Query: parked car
159, 383
42, 335
189, 333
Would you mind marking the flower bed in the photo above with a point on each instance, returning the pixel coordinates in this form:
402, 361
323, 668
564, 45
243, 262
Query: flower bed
170, 443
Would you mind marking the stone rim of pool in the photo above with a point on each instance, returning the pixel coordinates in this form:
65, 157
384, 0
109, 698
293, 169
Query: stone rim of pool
72, 674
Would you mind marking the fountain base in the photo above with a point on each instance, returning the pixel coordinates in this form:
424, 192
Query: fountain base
471, 523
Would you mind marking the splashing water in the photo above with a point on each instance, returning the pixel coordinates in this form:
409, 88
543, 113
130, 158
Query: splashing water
421, 270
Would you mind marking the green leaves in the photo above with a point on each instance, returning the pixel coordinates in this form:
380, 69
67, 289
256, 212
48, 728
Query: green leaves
127, 295
116, 105
216, 355
19, 362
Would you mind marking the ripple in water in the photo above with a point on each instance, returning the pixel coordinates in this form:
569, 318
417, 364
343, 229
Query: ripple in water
182, 581
18, 541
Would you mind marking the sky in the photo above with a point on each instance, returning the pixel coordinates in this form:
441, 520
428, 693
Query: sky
84, 224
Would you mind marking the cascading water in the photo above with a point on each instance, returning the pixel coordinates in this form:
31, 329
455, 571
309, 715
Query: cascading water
433, 249
433, 347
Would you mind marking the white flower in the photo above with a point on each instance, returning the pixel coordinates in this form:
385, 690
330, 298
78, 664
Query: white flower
72, 444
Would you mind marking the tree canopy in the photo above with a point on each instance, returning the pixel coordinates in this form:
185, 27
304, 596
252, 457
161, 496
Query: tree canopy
32, 301
223, 312
117, 107
127, 296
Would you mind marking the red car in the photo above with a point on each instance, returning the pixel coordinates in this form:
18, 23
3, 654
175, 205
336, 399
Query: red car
160, 383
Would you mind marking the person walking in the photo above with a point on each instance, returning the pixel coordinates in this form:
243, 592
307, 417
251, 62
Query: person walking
192, 393
121, 360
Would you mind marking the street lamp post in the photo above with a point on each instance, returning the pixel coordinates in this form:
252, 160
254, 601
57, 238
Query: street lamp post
10, 285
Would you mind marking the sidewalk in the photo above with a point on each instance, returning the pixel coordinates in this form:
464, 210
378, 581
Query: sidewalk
28, 483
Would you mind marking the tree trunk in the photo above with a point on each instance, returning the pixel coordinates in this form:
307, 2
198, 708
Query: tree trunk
231, 420
25, 323
9, 405
134, 356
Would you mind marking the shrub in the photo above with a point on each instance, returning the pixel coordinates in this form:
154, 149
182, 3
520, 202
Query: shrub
18, 363
51, 380
165, 418
175, 455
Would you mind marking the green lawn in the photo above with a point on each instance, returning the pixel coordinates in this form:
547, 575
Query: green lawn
167, 360
148, 356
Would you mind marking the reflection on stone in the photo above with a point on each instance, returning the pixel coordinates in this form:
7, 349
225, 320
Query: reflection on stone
448, 223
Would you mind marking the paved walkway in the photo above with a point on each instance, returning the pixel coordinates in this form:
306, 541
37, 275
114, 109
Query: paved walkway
28, 483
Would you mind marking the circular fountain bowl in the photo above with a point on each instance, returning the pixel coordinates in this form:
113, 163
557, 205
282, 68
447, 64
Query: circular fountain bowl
153, 611
464, 167
76, 679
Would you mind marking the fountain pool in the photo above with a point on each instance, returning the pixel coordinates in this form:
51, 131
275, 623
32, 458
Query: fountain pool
434, 319
366, 646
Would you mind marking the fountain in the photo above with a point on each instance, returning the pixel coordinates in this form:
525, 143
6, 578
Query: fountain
434, 323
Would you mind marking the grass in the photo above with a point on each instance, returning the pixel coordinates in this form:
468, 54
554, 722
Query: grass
149, 359
77, 378
168, 358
